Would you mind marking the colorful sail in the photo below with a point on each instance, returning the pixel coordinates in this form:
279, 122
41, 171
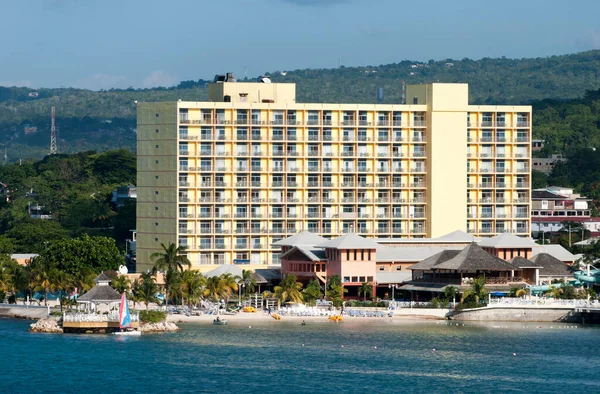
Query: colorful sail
124, 316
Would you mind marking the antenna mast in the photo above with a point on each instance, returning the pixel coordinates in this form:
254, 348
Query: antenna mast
53, 149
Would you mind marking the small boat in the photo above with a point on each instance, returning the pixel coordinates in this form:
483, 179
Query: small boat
128, 333
220, 322
125, 320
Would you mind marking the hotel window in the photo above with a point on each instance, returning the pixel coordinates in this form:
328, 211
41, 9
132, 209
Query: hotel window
183, 133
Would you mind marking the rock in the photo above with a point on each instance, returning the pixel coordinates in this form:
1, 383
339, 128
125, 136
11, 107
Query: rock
158, 327
46, 325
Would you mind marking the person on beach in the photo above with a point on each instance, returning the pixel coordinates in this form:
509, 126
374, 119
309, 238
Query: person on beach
269, 310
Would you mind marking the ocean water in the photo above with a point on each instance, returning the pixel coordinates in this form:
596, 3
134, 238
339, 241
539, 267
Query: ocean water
355, 356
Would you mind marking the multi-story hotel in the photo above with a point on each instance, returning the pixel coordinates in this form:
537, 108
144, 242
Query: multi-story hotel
229, 177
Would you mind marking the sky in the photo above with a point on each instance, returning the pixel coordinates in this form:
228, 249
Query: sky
101, 44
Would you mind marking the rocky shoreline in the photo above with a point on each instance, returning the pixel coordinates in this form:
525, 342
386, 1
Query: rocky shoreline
47, 325
164, 326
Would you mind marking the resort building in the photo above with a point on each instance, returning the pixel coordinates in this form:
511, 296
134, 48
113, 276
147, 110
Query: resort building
505, 260
553, 206
229, 177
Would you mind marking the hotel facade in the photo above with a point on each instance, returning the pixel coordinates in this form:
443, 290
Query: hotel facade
229, 177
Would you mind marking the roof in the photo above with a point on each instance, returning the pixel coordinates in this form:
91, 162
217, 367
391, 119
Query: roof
302, 238
310, 252
100, 293
102, 278
225, 269
546, 195
350, 241
433, 287
521, 262
23, 256
411, 253
585, 242
506, 240
390, 277
457, 236
474, 258
436, 259
551, 266
269, 274
557, 251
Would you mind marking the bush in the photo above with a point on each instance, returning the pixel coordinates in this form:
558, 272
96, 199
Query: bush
152, 316
12, 299
2, 296
468, 305
366, 304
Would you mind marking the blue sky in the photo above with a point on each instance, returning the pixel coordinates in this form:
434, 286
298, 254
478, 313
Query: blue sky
142, 43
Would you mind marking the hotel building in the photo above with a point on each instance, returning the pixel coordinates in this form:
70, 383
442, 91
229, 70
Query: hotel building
231, 176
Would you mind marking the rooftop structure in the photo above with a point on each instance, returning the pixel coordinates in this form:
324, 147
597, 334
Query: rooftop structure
230, 177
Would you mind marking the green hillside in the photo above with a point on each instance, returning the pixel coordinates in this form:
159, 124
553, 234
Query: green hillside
90, 120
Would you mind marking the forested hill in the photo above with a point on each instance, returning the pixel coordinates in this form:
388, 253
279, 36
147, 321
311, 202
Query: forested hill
106, 119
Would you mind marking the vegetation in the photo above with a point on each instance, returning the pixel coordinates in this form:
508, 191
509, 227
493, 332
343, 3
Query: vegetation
335, 291
171, 261
312, 292
152, 316
366, 289
288, 290
477, 292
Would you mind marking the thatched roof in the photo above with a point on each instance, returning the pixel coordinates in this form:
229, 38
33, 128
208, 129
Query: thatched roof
551, 266
434, 260
521, 262
474, 258
100, 293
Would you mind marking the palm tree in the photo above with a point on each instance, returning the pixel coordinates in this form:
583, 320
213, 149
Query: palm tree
249, 281
217, 288
312, 292
192, 287
450, 292
288, 289
521, 292
84, 280
62, 282
477, 290
364, 289
554, 292
41, 277
335, 290
170, 260
145, 289
121, 284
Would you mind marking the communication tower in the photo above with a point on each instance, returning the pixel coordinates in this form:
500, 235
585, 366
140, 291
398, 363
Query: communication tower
53, 149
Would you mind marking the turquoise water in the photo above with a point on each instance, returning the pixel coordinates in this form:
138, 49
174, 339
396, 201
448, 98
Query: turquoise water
269, 357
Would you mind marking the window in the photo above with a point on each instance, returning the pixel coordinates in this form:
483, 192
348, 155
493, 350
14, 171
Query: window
156, 177
156, 192
157, 115
155, 239
157, 130
398, 268
156, 146
155, 224
156, 161
156, 208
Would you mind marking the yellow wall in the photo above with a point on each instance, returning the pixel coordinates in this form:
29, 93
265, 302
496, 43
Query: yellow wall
255, 92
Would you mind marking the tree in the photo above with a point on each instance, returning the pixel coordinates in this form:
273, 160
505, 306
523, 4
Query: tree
554, 292
366, 289
248, 281
192, 284
218, 287
450, 293
312, 292
60, 282
145, 289
170, 261
288, 289
33, 236
42, 274
121, 283
75, 254
477, 290
335, 290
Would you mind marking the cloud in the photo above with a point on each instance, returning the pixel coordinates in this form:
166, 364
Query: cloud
9, 84
159, 78
101, 81
316, 3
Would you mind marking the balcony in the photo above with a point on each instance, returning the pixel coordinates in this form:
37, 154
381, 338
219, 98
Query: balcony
522, 139
277, 137
183, 152
184, 184
184, 199
185, 215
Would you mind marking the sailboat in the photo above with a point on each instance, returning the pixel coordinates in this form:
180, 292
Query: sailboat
125, 319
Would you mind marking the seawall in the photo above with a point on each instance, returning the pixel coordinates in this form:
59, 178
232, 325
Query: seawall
21, 312
522, 313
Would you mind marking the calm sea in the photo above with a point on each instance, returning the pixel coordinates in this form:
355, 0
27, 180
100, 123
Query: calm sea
288, 358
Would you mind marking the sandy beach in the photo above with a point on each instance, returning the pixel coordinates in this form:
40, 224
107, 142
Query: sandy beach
407, 314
